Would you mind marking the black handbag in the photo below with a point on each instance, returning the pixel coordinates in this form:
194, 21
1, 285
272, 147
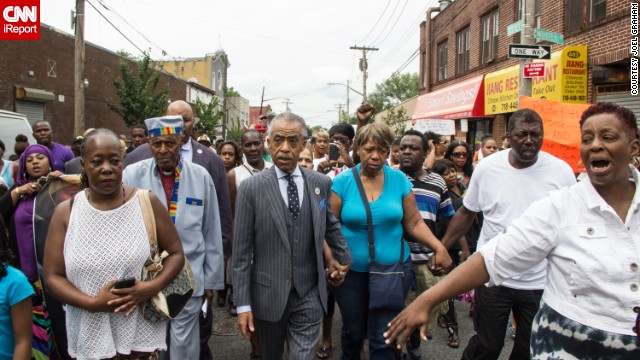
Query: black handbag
388, 285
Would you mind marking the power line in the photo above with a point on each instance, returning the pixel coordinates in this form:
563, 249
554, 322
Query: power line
387, 23
394, 24
115, 27
377, 22
164, 53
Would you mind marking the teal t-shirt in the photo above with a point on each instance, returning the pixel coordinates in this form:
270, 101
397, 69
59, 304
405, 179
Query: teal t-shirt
13, 289
386, 213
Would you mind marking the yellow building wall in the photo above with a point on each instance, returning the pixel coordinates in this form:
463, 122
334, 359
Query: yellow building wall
187, 69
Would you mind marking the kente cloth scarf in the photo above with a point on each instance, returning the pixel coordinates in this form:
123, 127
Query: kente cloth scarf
173, 206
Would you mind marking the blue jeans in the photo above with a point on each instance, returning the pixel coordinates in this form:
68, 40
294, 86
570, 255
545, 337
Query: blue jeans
359, 322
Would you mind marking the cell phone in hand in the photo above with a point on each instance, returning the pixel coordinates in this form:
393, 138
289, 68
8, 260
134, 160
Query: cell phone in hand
334, 152
125, 282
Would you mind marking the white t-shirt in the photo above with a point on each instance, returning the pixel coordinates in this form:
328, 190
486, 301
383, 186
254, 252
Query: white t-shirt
503, 193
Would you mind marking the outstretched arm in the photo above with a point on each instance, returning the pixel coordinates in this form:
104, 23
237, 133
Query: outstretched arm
469, 275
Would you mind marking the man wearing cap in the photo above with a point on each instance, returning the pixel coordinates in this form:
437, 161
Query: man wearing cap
75, 145
189, 194
73, 166
205, 141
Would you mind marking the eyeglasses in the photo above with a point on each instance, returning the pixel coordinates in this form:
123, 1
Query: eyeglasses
459, 154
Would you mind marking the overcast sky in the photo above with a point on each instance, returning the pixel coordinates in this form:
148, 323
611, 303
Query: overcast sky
292, 48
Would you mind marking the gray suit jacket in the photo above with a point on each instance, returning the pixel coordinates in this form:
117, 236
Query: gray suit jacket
261, 251
206, 158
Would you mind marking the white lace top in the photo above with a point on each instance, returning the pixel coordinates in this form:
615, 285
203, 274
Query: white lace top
99, 246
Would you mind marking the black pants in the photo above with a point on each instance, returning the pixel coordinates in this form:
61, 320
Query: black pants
206, 328
493, 306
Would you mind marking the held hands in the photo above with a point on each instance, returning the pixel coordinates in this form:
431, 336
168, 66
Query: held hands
336, 272
245, 323
129, 299
403, 325
440, 262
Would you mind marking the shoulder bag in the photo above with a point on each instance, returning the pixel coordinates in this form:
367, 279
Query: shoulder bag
170, 301
388, 285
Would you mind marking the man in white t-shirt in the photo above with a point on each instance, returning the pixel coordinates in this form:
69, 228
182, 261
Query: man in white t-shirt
502, 188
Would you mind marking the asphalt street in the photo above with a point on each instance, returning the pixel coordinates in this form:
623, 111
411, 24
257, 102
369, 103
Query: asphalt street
227, 343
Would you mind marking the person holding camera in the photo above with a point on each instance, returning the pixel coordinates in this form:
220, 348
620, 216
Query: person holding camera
16, 208
340, 141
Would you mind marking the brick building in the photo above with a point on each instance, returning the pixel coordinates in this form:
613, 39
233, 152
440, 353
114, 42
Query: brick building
37, 79
466, 75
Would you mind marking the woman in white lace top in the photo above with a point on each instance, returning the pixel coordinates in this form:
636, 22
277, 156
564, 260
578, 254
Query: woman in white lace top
97, 239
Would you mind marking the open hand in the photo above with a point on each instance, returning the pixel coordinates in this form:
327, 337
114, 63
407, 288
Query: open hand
405, 323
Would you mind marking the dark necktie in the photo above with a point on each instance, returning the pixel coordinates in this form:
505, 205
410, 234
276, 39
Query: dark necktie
292, 194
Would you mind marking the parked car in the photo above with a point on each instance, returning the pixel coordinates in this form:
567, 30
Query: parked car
12, 124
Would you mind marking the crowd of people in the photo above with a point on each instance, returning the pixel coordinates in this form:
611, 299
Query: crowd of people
286, 223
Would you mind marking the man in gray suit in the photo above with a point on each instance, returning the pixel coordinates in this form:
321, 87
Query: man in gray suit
283, 218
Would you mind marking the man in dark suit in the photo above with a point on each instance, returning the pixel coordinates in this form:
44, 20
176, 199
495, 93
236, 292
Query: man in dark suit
192, 151
283, 218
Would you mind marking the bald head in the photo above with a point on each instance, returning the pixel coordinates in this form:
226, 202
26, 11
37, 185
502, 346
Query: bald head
182, 108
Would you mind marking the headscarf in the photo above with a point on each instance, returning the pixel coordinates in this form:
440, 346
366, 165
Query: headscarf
23, 177
23, 216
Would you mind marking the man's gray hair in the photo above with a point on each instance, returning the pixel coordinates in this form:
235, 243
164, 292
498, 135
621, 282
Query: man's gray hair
291, 118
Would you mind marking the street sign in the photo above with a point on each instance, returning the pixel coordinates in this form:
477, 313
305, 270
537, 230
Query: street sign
546, 35
522, 51
533, 69
514, 28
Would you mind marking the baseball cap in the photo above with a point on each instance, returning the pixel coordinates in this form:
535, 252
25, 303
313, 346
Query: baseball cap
77, 139
260, 127
204, 138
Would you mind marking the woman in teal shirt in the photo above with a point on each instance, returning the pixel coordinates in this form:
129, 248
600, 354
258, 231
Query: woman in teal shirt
394, 213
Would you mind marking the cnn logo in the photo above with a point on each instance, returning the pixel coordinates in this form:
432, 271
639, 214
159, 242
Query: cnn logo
20, 20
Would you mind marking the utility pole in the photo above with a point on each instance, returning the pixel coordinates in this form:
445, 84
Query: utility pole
347, 97
339, 107
363, 67
261, 101
528, 38
286, 103
78, 118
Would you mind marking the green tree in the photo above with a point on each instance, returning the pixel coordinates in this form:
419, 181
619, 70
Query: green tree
231, 92
137, 91
235, 130
396, 120
210, 115
394, 90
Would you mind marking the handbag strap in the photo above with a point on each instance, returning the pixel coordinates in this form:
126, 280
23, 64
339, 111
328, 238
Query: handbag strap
149, 219
365, 202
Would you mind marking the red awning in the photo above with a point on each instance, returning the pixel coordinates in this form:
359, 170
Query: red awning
462, 100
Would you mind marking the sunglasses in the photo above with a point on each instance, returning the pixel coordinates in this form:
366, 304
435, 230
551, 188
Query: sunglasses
459, 154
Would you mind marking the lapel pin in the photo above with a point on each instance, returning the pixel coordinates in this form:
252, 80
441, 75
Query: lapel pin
317, 191
199, 151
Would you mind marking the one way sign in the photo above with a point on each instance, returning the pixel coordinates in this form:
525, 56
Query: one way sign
522, 51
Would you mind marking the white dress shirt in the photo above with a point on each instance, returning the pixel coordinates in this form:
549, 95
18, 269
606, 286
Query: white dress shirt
283, 183
593, 274
186, 151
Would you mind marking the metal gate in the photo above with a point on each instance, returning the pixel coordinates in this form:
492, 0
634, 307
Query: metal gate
34, 111
621, 95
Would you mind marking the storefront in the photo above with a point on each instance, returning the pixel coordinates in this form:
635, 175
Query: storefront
564, 80
612, 83
462, 102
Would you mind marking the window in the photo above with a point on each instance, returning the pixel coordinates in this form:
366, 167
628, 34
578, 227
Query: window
490, 35
442, 60
462, 52
580, 12
536, 16
597, 9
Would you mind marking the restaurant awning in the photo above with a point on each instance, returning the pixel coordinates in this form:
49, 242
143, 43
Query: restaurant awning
462, 100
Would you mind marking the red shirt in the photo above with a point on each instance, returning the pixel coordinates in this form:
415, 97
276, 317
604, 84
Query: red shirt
167, 184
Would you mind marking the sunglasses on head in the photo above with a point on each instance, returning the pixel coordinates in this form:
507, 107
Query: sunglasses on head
459, 154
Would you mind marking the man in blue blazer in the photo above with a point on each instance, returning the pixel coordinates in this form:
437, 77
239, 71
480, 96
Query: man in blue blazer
283, 219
